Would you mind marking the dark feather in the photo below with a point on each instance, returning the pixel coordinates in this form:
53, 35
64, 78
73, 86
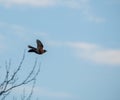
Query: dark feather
32, 50
39, 44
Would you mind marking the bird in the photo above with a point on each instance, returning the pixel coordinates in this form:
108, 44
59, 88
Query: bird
39, 50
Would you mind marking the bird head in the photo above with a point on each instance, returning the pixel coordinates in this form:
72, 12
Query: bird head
45, 51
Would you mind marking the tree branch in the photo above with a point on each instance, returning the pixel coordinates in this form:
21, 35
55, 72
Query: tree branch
11, 82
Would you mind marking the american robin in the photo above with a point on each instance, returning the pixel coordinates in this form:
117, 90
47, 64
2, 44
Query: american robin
39, 49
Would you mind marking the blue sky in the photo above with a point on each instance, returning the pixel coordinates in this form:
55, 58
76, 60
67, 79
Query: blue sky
82, 38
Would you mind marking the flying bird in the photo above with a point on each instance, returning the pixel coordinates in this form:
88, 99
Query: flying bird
39, 49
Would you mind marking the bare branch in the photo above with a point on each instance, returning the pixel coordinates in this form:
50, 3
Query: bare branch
30, 95
4, 96
11, 81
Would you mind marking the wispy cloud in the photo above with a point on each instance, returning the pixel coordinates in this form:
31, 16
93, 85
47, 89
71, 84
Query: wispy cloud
45, 92
91, 52
46, 3
106, 56
51, 93
93, 18
16, 29
85, 8
12, 35
82, 45
19, 32
96, 53
83, 5
37, 3
13, 30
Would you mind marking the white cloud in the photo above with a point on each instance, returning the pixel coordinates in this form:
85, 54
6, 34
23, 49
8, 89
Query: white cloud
51, 93
37, 3
10, 32
13, 29
85, 8
82, 45
55, 43
83, 5
96, 53
106, 56
94, 18
45, 92
91, 52
43, 3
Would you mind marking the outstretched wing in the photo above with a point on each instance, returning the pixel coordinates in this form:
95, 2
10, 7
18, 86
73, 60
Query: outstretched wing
39, 44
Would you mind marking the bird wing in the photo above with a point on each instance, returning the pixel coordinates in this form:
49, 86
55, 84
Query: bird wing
39, 44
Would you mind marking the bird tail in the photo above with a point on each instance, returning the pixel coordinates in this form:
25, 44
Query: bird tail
29, 46
32, 49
